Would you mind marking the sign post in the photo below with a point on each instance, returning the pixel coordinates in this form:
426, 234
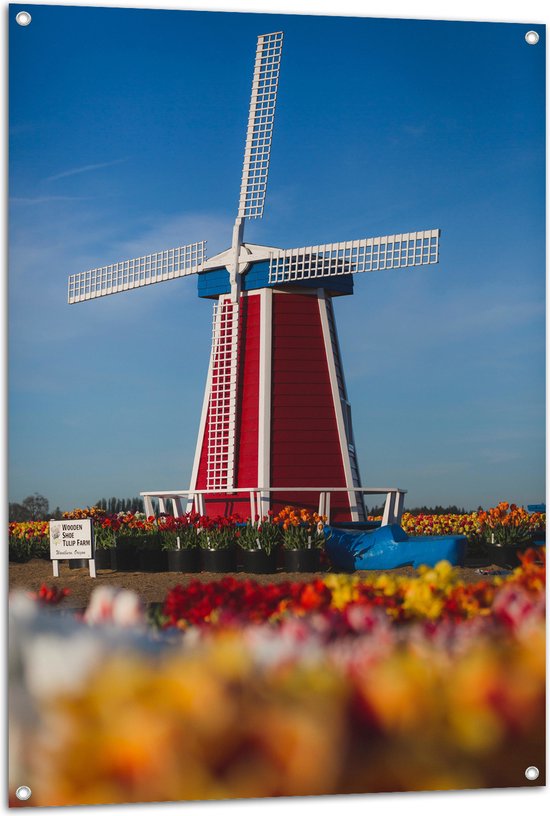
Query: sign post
71, 539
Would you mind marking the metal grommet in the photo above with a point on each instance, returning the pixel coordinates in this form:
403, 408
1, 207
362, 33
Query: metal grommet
532, 37
532, 773
23, 793
23, 18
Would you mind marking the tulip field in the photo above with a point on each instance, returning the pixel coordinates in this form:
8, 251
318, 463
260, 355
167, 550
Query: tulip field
236, 688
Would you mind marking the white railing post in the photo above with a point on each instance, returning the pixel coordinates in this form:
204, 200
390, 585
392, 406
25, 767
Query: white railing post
252, 507
399, 501
387, 509
177, 506
148, 505
162, 505
327, 507
263, 502
321, 503
259, 507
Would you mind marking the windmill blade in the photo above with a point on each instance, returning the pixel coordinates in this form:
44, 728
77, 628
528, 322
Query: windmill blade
349, 257
260, 125
154, 268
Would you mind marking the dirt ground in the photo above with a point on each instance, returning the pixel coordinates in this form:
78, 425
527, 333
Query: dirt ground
153, 586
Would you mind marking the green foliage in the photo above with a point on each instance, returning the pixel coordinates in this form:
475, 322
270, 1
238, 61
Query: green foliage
22, 549
116, 505
264, 535
32, 508
508, 535
438, 510
19, 549
217, 535
104, 537
188, 537
303, 537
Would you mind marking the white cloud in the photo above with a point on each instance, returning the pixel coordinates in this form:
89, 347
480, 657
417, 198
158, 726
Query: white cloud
87, 168
46, 249
46, 199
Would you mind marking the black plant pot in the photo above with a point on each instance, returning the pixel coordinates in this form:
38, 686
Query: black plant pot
302, 560
218, 560
105, 558
152, 561
78, 563
127, 557
258, 561
186, 560
505, 556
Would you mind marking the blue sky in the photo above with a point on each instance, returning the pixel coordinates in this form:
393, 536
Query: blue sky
126, 136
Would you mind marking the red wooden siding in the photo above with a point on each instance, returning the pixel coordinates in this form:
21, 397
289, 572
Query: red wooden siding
248, 397
305, 446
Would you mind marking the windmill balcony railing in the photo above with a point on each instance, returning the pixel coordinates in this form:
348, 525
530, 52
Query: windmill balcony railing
260, 499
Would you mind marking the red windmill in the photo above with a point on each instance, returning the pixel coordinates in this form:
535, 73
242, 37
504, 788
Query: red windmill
276, 422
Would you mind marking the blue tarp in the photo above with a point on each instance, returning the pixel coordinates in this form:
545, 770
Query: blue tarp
389, 547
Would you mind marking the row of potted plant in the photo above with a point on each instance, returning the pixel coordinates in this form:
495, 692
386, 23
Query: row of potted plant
191, 542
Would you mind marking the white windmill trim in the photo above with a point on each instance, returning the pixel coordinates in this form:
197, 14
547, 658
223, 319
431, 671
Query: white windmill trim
222, 410
345, 389
329, 351
265, 386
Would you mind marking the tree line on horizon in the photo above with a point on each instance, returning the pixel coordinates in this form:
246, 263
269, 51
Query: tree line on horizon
438, 510
116, 505
33, 508
37, 508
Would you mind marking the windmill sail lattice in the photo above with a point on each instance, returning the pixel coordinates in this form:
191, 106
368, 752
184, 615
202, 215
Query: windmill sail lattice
154, 268
350, 257
260, 125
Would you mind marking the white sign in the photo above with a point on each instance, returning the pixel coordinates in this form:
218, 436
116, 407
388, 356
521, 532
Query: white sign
71, 539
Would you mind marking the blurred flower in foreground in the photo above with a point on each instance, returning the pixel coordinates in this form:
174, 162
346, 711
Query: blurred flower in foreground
307, 688
119, 607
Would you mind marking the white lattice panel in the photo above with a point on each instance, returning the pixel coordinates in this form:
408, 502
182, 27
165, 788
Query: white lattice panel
154, 268
260, 125
350, 257
220, 460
